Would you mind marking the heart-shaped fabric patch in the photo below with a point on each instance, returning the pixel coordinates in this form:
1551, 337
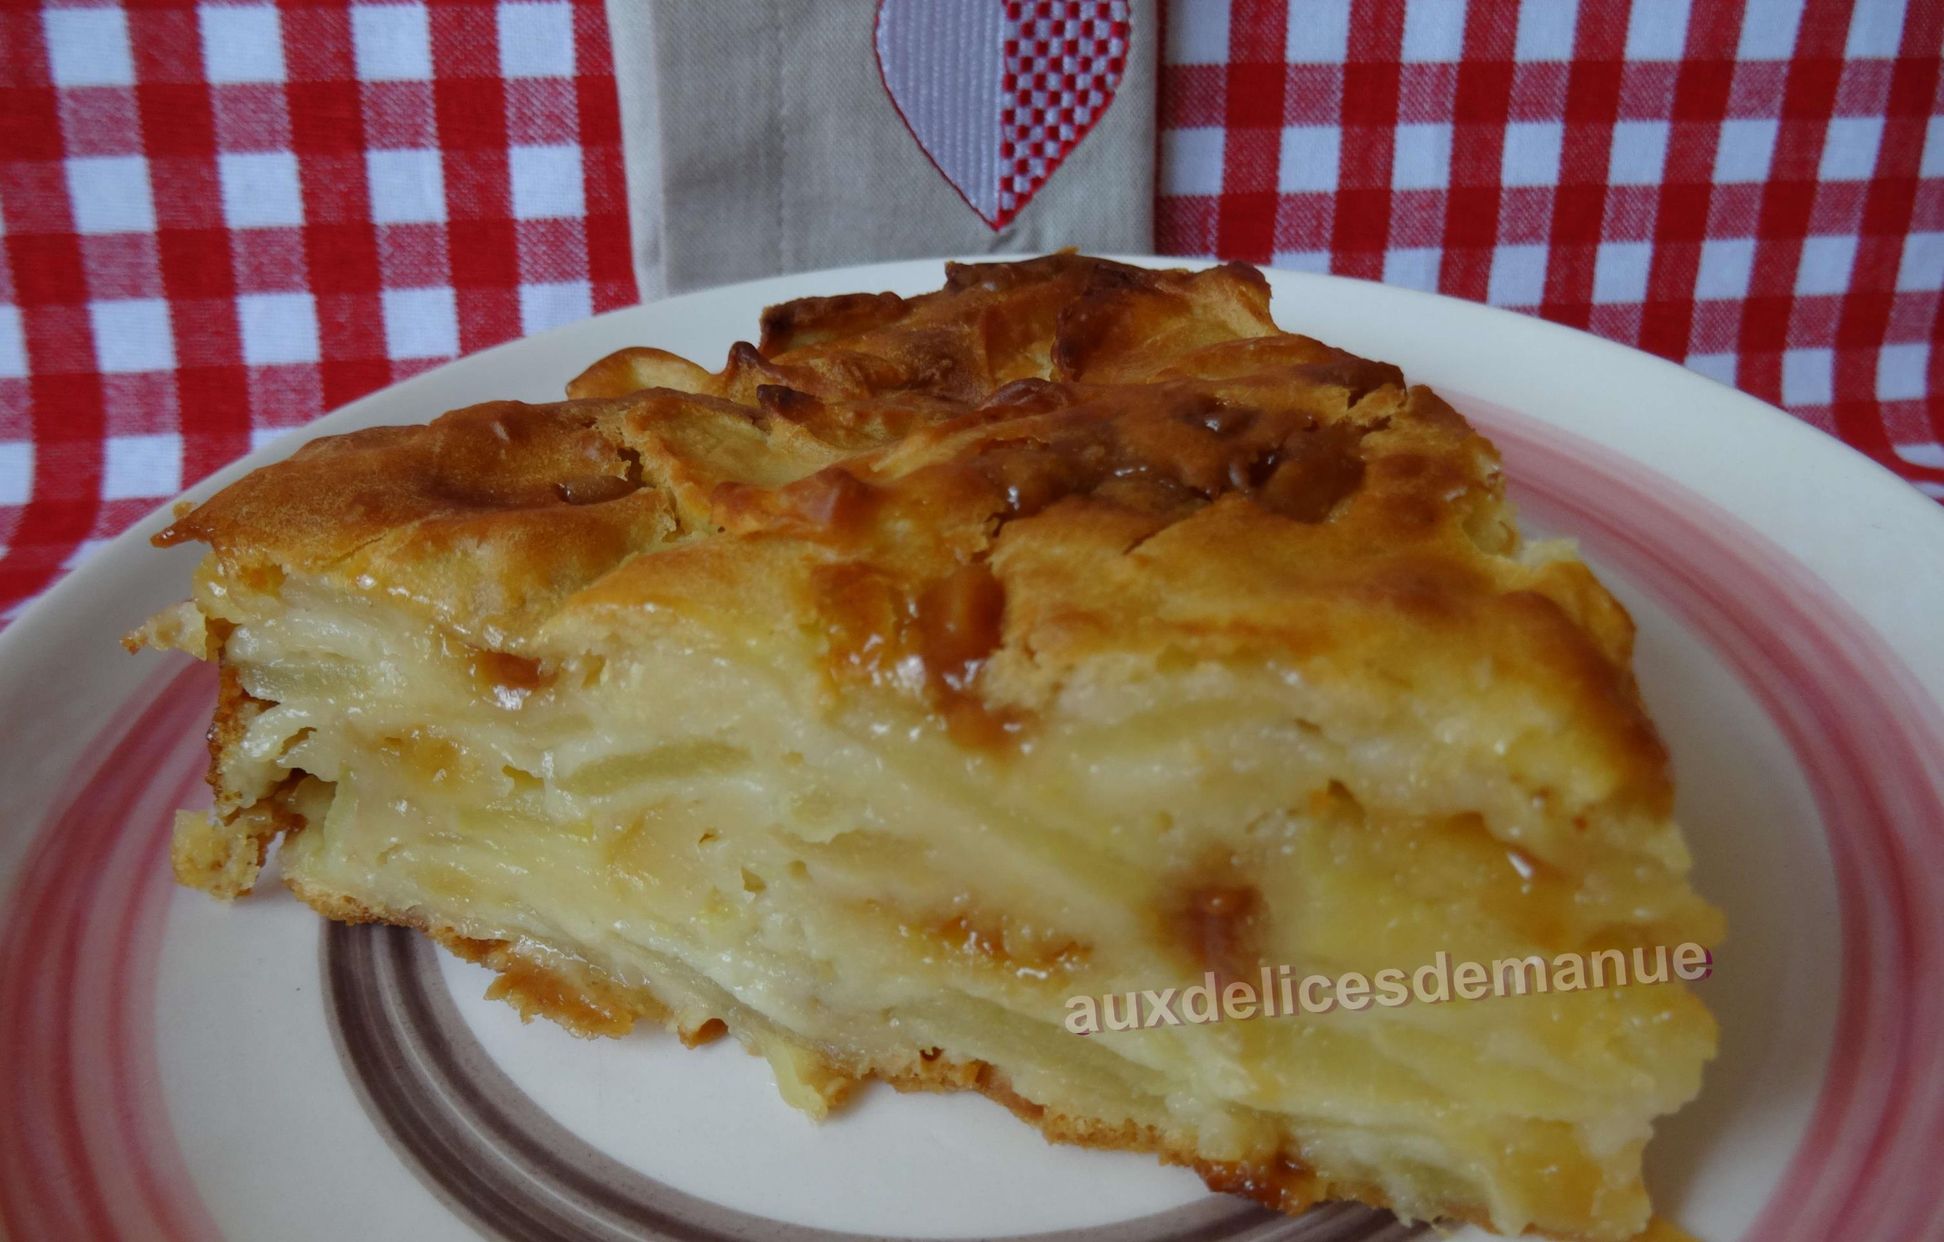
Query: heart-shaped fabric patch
999, 92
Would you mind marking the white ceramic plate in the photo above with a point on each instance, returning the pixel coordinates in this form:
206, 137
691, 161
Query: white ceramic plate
170, 1068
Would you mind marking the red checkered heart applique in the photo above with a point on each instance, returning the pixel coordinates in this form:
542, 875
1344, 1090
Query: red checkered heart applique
999, 92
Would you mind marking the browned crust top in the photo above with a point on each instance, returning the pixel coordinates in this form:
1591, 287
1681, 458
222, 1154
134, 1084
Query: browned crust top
1039, 462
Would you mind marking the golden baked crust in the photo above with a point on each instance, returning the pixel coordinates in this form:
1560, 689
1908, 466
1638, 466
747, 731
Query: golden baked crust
494, 513
1181, 472
1219, 644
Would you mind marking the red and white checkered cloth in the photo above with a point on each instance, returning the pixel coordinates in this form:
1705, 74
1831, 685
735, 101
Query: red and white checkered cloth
1753, 188
1054, 102
222, 220
219, 221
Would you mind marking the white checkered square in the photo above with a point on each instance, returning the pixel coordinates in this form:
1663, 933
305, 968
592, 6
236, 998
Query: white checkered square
536, 40
13, 344
1876, 29
1744, 149
1850, 148
132, 335
1900, 371
110, 194
1198, 32
1421, 159
546, 181
1726, 265
1638, 153
241, 43
1310, 154
544, 306
1931, 164
278, 328
1319, 34
260, 189
1922, 267
1657, 29
1808, 376
1413, 267
1620, 271
421, 323
1545, 30
1518, 275
88, 47
1434, 30
1301, 260
391, 42
1192, 159
1769, 29
1825, 265
16, 472
141, 467
407, 187
1531, 154
1718, 367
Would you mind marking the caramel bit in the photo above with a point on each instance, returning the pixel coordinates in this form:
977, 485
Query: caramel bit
974, 722
1219, 926
958, 621
1025, 955
867, 614
265, 578
933, 640
707, 1032
1305, 482
958, 626
505, 678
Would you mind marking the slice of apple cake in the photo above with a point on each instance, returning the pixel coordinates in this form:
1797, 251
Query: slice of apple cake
1068, 632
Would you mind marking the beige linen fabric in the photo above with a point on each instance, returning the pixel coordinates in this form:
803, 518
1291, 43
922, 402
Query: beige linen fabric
760, 140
